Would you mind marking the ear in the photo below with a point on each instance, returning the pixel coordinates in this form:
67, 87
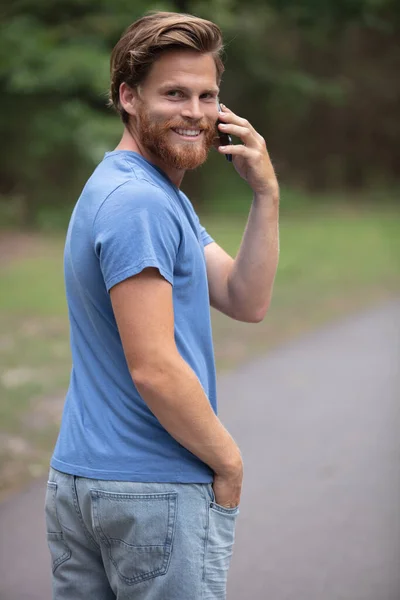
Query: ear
128, 98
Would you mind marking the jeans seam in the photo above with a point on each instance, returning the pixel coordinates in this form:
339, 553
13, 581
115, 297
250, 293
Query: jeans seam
87, 533
172, 502
53, 486
56, 509
206, 532
64, 557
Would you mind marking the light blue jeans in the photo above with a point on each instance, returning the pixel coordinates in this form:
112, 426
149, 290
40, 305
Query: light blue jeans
139, 541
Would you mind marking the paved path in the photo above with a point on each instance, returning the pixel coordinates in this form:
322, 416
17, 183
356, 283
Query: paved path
319, 426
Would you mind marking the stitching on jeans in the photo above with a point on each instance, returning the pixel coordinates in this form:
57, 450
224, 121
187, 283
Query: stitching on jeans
129, 496
146, 548
206, 532
54, 500
87, 533
172, 507
171, 497
52, 487
66, 556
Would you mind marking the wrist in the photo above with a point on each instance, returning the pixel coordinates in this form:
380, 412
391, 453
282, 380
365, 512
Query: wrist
267, 194
232, 468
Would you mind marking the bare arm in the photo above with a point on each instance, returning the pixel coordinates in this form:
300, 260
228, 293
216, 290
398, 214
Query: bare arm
251, 279
144, 313
242, 288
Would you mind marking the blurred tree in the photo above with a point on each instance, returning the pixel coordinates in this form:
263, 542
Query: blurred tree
319, 79
54, 77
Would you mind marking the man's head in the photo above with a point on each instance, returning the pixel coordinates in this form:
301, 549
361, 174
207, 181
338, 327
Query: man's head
165, 76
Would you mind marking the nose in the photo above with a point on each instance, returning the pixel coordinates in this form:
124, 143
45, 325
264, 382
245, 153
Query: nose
192, 109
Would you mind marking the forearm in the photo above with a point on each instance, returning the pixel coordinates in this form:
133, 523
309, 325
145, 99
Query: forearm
251, 279
174, 394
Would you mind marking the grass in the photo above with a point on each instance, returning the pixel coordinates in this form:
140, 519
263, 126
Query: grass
332, 262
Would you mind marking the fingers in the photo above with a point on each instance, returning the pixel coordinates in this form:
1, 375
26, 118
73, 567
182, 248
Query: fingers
241, 128
227, 116
237, 130
236, 150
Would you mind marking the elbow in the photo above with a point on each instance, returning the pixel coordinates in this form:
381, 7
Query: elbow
247, 309
258, 316
143, 381
140, 377
152, 374
254, 315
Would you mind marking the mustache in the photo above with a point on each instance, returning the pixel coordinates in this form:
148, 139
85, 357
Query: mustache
204, 125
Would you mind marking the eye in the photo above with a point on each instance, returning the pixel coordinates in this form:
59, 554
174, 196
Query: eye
175, 94
208, 96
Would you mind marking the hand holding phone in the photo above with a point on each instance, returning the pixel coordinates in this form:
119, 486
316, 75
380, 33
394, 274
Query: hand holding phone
224, 138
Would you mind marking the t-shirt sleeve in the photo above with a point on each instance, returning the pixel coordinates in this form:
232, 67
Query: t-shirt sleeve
136, 227
204, 235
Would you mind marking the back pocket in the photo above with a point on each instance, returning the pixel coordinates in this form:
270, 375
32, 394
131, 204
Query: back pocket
138, 531
59, 551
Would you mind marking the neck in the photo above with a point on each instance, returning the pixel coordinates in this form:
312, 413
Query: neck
130, 141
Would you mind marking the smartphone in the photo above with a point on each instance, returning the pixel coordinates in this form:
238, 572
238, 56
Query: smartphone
224, 138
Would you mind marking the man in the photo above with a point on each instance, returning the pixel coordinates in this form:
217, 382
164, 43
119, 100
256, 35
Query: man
145, 481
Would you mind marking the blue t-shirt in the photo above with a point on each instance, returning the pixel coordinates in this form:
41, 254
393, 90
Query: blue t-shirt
130, 216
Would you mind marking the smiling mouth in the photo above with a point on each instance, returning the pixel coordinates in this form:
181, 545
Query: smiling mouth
192, 133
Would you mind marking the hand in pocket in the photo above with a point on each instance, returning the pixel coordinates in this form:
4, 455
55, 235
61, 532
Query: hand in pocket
227, 489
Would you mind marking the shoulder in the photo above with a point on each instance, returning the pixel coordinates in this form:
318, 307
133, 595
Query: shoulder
135, 194
134, 197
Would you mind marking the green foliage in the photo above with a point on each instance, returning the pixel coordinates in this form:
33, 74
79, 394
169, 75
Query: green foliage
54, 77
318, 79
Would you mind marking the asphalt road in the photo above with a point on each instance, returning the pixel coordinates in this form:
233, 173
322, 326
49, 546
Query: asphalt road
318, 422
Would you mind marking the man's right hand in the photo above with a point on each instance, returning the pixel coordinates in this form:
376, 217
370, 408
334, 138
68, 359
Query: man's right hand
228, 488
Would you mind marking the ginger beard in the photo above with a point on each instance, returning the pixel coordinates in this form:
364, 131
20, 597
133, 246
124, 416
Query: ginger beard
155, 135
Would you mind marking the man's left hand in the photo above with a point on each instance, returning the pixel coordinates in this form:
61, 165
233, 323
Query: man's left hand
251, 159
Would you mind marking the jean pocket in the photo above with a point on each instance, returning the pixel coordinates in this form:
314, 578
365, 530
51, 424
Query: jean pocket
230, 511
219, 549
138, 531
59, 550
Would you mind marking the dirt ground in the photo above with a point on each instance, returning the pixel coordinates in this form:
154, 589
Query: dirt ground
17, 244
